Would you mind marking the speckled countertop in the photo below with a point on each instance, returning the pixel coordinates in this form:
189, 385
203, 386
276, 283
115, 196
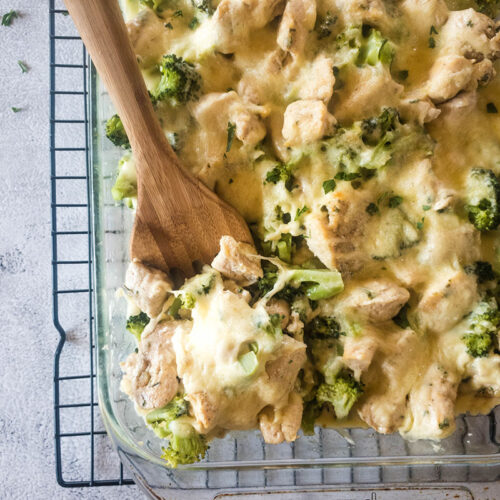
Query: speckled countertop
27, 465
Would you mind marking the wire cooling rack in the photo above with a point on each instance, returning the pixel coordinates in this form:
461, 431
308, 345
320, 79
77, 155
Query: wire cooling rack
83, 452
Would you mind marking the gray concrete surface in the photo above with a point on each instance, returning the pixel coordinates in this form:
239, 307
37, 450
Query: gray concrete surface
27, 468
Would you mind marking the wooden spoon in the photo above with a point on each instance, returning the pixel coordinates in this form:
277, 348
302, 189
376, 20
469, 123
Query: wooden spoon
178, 219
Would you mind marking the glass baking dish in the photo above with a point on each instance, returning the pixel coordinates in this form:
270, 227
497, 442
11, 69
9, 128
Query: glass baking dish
242, 462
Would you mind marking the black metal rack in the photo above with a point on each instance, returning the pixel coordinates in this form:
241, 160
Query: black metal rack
80, 439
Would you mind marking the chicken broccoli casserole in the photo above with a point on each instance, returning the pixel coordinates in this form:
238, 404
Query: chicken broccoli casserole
360, 140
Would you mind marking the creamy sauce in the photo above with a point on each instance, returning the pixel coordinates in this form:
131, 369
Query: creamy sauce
400, 218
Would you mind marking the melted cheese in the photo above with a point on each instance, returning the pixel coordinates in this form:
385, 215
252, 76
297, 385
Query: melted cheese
423, 244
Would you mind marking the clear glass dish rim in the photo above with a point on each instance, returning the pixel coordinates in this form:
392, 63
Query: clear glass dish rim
120, 437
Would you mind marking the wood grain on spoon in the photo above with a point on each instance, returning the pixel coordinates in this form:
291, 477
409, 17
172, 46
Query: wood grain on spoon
178, 219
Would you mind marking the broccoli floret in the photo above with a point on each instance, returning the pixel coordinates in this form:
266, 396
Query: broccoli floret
179, 81
323, 327
375, 130
126, 183
363, 148
478, 344
374, 48
488, 7
483, 325
137, 323
342, 393
364, 45
483, 199
312, 410
115, 132
161, 418
199, 285
483, 271
317, 283
185, 446
281, 172
157, 5
284, 248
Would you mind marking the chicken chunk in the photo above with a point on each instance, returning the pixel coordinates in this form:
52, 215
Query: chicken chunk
336, 232
356, 12
425, 13
389, 380
470, 34
283, 370
450, 75
365, 92
278, 425
306, 121
298, 19
150, 374
238, 261
377, 300
233, 287
259, 86
431, 405
214, 111
317, 81
446, 300
234, 20
419, 181
204, 410
469, 42
449, 239
458, 108
419, 109
281, 308
148, 37
482, 376
150, 287
295, 326
359, 351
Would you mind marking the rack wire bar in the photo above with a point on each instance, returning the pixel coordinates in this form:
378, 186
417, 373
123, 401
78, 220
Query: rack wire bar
79, 385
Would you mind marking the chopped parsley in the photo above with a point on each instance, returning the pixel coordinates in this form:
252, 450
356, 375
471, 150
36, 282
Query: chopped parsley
16, 110
169, 26
284, 217
23, 66
178, 13
193, 24
426, 208
395, 201
231, 129
329, 185
491, 108
300, 212
9, 17
347, 176
281, 172
372, 209
432, 43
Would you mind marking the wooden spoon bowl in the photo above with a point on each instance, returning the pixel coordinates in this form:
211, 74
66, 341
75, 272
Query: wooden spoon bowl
178, 220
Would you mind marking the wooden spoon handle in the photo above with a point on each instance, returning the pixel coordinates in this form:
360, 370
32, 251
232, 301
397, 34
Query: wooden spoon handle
102, 28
